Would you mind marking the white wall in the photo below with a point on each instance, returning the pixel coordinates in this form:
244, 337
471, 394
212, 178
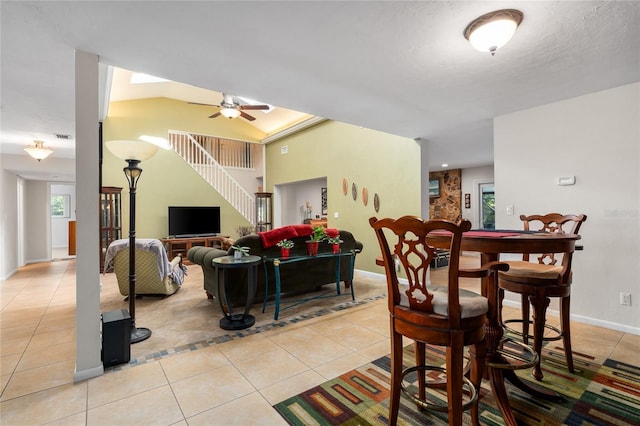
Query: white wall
8, 224
471, 179
595, 138
60, 225
37, 245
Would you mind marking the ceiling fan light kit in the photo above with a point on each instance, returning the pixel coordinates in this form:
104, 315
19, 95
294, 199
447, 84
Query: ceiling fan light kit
230, 112
38, 151
231, 108
493, 30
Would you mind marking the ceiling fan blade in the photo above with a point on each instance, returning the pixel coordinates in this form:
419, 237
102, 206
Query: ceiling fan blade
198, 103
254, 106
215, 115
246, 116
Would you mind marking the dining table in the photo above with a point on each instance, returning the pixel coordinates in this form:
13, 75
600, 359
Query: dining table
491, 244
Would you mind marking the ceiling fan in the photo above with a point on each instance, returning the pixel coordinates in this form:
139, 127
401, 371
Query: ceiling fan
231, 108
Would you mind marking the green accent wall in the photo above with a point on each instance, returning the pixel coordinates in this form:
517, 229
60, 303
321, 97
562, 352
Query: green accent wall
385, 164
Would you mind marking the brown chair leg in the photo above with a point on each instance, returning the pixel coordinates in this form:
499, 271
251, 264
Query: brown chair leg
454, 378
566, 331
539, 304
478, 353
396, 376
526, 318
420, 361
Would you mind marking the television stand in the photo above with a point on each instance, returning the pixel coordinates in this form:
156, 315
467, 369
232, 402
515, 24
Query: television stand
176, 246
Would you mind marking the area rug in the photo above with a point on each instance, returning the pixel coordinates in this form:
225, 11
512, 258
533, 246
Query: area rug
601, 392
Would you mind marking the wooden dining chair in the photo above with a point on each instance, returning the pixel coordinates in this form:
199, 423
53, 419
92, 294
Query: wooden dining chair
437, 315
539, 280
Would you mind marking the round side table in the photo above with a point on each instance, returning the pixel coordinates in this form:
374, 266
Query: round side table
236, 321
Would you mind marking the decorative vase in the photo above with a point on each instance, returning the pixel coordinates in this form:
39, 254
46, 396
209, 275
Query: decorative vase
237, 254
284, 252
336, 248
312, 248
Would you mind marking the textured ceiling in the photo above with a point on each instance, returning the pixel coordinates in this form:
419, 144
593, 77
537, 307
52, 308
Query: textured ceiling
398, 67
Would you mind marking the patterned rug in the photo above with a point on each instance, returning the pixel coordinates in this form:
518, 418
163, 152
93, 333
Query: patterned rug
601, 392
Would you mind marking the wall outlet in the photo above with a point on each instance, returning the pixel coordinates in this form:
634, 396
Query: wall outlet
509, 210
625, 299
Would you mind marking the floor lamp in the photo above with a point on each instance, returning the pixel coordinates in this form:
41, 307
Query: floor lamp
133, 152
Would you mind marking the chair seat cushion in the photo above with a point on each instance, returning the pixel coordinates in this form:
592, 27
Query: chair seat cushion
471, 304
520, 268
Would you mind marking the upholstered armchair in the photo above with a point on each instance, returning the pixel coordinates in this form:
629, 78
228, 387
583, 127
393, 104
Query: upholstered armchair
155, 275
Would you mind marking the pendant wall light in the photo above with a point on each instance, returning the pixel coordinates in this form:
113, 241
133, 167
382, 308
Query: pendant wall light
493, 30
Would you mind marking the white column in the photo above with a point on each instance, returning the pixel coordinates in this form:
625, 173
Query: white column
424, 177
88, 343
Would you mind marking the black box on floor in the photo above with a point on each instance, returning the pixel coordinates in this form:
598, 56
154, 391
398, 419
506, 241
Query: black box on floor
441, 259
116, 337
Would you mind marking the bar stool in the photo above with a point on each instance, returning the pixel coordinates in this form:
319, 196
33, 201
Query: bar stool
537, 282
436, 315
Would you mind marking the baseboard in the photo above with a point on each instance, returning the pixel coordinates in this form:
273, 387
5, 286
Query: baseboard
90, 373
9, 274
28, 262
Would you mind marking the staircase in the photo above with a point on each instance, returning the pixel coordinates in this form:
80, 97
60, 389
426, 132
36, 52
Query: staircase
192, 151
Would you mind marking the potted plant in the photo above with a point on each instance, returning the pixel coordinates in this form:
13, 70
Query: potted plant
285, 246
333, 238
318, 235
238, 251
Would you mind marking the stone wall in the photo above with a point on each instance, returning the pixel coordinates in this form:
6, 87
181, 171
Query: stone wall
448, 204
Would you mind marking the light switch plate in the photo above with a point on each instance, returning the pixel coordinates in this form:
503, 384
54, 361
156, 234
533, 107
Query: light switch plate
566, 180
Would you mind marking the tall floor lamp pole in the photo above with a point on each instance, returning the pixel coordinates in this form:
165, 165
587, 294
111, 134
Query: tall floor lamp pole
133, 152
133, 172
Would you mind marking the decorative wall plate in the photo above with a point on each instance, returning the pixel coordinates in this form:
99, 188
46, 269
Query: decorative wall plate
344, 186
365, 196
376, 202
354, 191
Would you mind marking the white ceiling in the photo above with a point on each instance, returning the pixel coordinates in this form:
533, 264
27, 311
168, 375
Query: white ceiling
398, 67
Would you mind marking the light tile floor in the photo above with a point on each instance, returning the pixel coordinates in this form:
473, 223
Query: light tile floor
235, 382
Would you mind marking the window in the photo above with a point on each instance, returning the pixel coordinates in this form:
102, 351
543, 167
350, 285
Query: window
487, 206
60, 205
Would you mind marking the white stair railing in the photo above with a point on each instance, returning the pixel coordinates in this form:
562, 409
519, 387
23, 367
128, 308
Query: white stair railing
211, 171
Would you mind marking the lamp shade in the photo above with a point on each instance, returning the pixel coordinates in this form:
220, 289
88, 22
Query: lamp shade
493, 30
38, 151
132, 149
230, 112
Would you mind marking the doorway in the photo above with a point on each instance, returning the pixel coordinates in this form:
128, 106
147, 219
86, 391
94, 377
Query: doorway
62, 214
487, 195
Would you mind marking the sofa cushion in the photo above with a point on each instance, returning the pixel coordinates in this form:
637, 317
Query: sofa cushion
271, 238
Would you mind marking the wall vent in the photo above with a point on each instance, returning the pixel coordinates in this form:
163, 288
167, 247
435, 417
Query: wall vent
61, 136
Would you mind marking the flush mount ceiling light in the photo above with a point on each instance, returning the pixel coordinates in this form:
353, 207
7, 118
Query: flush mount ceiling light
493, 30
38, 151
230, 112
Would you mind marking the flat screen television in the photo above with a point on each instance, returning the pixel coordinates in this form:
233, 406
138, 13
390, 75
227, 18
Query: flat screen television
193, 221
